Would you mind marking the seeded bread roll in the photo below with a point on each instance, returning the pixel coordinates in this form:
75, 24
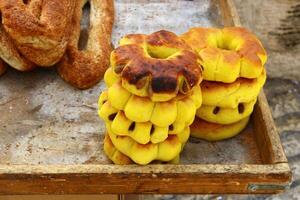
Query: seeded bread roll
84, 68
10, 54
38, 28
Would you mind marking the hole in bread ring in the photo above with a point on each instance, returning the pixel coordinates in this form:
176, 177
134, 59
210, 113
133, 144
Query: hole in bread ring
241, 108
152, 129
216, 110
132, 126
111, 117
84, 26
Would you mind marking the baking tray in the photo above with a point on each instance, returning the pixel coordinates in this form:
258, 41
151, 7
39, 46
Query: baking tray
51, 137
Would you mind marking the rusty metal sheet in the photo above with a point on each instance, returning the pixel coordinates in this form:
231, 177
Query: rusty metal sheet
43, 120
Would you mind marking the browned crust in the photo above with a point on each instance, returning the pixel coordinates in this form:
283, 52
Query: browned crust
38, 28
163, 73
214, 85
10, 54
83, 69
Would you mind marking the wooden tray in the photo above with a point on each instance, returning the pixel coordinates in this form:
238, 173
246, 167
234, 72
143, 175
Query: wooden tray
51, 137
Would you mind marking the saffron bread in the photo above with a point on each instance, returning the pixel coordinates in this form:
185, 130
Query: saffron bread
215, 132
119, 158
159, 65
114, 154
223, 115
143, 154
230, 95
144, 120
227, 54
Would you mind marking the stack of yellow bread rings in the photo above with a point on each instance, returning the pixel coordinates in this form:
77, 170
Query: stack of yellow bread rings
153, 93
233, 71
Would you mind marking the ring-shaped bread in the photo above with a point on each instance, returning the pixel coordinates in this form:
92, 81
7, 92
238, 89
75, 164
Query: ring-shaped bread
119, 158
171, 116
230, 95
214, 132
221, 115
84, 68
159, 65
38, 28
10, 54
227, 54
143, 154
144, 132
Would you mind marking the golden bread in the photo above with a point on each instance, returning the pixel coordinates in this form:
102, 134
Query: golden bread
38, 28
214, 132
143, 154
145, 131
221, 115
227, 54
119, 158
84, 68
127, 109
230, 95
159, 65
10, 54
113, 154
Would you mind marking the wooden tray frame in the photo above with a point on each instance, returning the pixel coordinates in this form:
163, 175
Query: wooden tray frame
273, 176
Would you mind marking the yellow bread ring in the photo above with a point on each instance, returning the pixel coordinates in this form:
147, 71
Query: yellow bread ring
221, 115
159, 65
145, 153
227, 54
113, 154
229, 95
141, 132
119, 158
214, 132
142, 109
